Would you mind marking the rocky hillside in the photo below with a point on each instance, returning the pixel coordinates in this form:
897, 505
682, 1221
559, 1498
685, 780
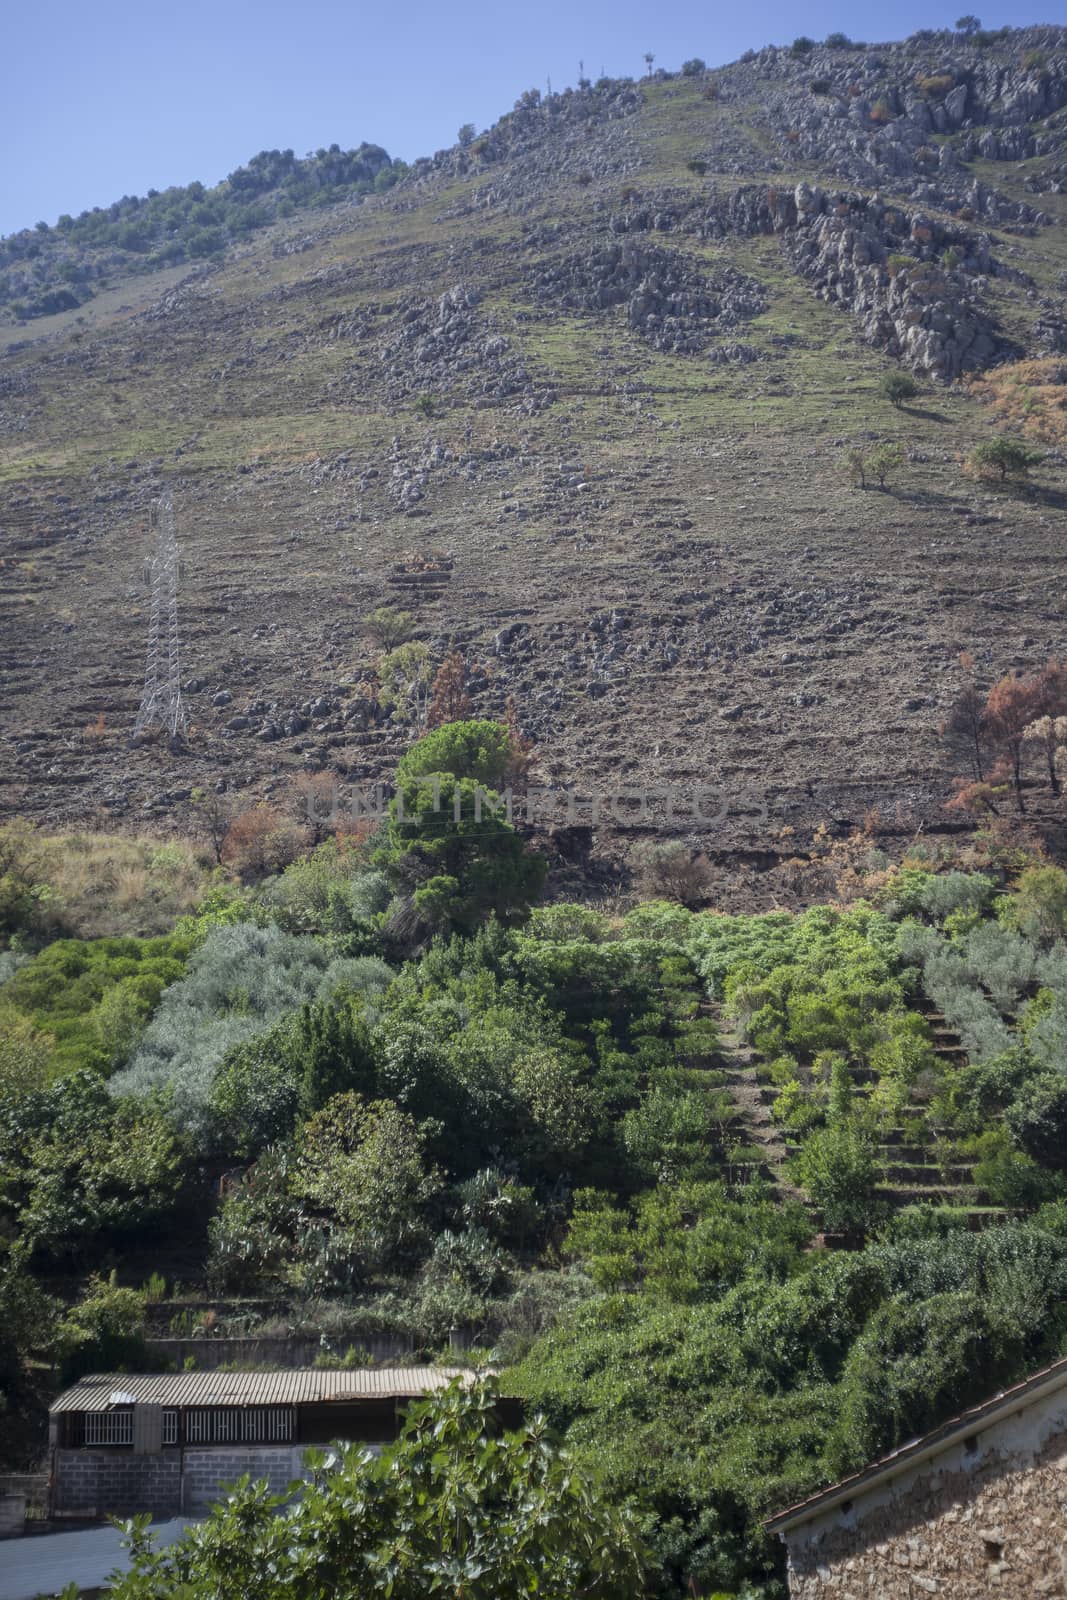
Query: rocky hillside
577, 395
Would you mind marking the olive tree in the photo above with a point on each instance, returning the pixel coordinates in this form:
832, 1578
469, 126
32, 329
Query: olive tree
1003, 458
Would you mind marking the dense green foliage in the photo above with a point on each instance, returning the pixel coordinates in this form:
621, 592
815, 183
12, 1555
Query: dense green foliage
79, 1168
94, 996
710, 1412
478, 750
449, 843
454, 1507
513, 1120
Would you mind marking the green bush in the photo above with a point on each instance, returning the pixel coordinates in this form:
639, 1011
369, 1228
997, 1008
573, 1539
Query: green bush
1003, 458
105, 1332
898, 387
884, 461
388, 626
499, 1513
1037, 906
837, 1168
1037, 1118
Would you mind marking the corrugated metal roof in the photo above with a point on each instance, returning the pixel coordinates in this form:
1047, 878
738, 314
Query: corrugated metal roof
297, 1386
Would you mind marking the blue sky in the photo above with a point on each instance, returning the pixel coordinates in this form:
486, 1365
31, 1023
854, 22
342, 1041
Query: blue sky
113, 97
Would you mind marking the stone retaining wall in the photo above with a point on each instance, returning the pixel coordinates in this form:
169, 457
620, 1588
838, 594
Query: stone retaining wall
986, 1517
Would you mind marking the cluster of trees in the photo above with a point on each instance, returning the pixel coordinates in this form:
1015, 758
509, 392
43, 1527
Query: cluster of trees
998, 730
996, 459
994, 965
187, 223
453, 1106
405, 683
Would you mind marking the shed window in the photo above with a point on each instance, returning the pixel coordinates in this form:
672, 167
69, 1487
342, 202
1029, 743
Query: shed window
116, 1427
108, 1427
240, 1425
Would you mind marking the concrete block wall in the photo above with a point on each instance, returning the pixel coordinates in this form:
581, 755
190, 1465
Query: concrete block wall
106, 1482
208, 1470
95, 1482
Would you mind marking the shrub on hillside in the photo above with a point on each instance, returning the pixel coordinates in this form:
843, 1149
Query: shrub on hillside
898, 387
262, 840
837, 1168
673, 871
241, 980
1003, 458
104, 1332
1037, 906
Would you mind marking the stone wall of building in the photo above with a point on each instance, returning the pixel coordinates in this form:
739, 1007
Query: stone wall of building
986, 1517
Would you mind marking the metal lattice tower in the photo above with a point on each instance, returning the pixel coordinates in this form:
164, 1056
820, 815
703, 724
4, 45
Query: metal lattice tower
161, 702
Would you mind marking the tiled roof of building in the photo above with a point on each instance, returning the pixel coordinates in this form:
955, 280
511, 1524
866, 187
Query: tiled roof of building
1037, 1386
297, 1386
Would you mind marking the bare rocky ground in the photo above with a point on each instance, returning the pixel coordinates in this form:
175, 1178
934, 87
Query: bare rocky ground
583, 411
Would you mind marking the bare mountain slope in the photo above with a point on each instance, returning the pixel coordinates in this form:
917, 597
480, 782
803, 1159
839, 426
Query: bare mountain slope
578, 395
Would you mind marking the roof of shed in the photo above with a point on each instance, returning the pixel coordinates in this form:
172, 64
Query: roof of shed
297, 1386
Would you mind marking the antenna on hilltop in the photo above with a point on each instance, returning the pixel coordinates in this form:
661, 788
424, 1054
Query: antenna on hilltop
161, 702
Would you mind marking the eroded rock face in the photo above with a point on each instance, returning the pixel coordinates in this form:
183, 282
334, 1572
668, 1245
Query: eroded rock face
913, 282
668, 300
909, 115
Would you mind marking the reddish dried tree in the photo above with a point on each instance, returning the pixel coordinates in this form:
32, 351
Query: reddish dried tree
1048, 730
261, 840
313, 798
1012, 705
449, 700
523, 754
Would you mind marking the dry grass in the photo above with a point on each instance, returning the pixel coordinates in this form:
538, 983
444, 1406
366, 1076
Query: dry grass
1029, 395
102, 885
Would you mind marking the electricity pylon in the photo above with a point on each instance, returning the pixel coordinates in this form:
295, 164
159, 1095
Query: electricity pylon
161, 702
